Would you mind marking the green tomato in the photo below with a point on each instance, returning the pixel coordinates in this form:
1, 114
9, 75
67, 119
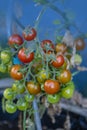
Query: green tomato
22, 105
8, 93
18, 87
10, 107
77, 59
28, 97
42, 76
3, 68
5, 56
55, 98
68, 90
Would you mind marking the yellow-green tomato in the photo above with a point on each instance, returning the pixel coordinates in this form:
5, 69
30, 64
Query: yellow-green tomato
18, 87
77, 59
10, 107
3, 68
5, 56
53, 98
67, 92
22, 105
28, 97
42, 76
8, 93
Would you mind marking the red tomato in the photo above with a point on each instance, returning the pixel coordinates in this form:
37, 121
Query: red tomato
59, 61
15, 39
25, 58
47, 45
51, 86
29, 34
15, 74
65, 76
33, 88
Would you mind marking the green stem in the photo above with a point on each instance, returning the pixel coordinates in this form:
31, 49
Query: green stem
75, 73
24, 120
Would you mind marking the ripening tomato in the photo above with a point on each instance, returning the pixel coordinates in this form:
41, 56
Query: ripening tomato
47, 45
33, 88
25, 56
42, 76
51, 86
53, 98
15, 39
68, 90
65, 76
22, 105
10, 107
29, 34
15, 74
58, 62
80, 44
5, 56
61, 47
8, 93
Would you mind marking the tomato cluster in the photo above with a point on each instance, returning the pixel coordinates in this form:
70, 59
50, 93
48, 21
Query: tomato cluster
45, 70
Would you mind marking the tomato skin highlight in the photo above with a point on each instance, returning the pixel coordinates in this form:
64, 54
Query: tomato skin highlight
49, 43
14, 72
33, 88
51, 86
30, 34
25, 58
15, 39
58, 62
53, 98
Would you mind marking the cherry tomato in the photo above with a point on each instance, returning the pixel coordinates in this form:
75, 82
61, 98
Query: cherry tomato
33, 88
29, 34
67, 92
5, 56
3, 68
8, 93
47, 45
51, 86
59, 61
80, 44
61, 47
42, 76
53, 98
29, 97
25, 58
15, 74
18, 87
65, 76
22, 105
10, 107
15, 39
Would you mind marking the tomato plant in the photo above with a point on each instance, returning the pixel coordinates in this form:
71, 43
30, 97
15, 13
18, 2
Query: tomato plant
29, 34
47, 45
51, 86
15, 72
5, 56
33, 88
25, 56
29, 97
58, 62
15, 39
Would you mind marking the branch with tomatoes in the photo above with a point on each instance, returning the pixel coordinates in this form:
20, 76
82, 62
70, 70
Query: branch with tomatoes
44, 69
